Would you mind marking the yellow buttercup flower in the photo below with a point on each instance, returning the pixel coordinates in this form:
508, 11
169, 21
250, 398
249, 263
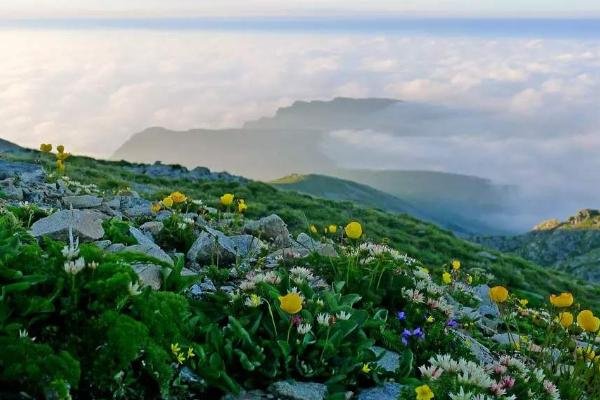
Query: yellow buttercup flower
291, 303
469, 279
498, 294
227, 199
446, 278
175, 349
45, 148
587, 321
565, 319
455, 265
424, 392
430, 319
353, 230
190, 353
60, 148
366, 368
242, 207
167, 202
178, 197
156, 207
62, 156
561, 301
523, 302
332, 228
313, 229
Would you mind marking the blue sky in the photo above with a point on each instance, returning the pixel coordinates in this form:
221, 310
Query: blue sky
162, 8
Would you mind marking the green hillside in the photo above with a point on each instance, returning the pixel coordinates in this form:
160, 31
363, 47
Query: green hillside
432, 245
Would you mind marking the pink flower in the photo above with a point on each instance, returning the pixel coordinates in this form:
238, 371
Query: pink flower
508, 382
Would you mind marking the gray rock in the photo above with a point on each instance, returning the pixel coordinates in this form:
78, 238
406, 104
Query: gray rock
251, 395
188, 272
133, 206
389, 361
293, 390
113, 203
26, 173
116, 247
189, 377
507, 338
151, 250
10, 191
481, 353
270, 228
246, 246
389, 391
212, 245
487, 307
86, 224
83, 201
140, 236
149, 275
152, 227
102, 244
323, 249
197, 290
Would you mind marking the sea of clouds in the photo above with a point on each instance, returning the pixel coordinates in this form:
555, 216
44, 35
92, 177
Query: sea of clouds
527, 108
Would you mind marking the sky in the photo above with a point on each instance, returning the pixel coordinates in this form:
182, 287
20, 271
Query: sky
162, 8
527, 94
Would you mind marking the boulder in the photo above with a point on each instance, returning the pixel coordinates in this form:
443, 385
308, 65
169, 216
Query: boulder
293, 390
152, 227
389, 361
149, 275
27, 173
487, 307
212, 245
83, 201
246, 246
151, 250
270, 228
133, 207
86, 224
481, 353
507, 338
313, 246
388, 391
10, 191
140, 236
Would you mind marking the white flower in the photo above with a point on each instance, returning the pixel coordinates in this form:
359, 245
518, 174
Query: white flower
74, 267
551, 389
188, 221
93, 265
320, 302
413, 295
343, 315
253, 301
431, 372
323, 319
134, 289
182, 226
303, 329
461, 395
69, 252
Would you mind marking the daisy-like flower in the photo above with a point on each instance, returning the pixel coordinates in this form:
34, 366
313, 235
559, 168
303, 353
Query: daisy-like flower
303, 329
253, 301
551, 389
74, 267
461, 395
431, 372
413, 295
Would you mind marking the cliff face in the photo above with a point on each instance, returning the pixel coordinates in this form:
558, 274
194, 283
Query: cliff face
572, 245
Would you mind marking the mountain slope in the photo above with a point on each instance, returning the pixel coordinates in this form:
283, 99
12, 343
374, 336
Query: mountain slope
572, 245
435, 247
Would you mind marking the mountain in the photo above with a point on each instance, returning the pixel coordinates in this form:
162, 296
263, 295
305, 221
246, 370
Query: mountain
6, 146
415, 196
572, 245
298, 139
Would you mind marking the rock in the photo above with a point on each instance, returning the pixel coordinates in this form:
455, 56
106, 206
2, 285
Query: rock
189, 377
481, 353
293, 390
27, 173
151, 250
389, 361
389, 391
323, 249
251, 395
10, 191
116, 247
86, 224
507, 338
140, 236
83, 201
134, 207
197, 290
212, 245
188, 272
246, 246
486, 307
149, 275
114, 203
102, 244
152, 227
270, 228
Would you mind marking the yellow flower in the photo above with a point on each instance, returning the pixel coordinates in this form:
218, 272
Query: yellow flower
424, 393
227, 199
60, 148
523, 302
178, 197
253, 301
455, 265
469, 279
60, 165
180, 358
366, 368
175, 349
167, 202
565, 319
45, 148
291, 303
332, 228
156, 207
242, 207
62, 156
190, 353
424, 270
562, 300
353, 230
313, 229
446, 278
430, 319
587, 321
498, 294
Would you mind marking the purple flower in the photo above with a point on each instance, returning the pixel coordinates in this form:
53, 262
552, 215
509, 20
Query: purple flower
418, 333
405, 335
401, 315
452, 323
